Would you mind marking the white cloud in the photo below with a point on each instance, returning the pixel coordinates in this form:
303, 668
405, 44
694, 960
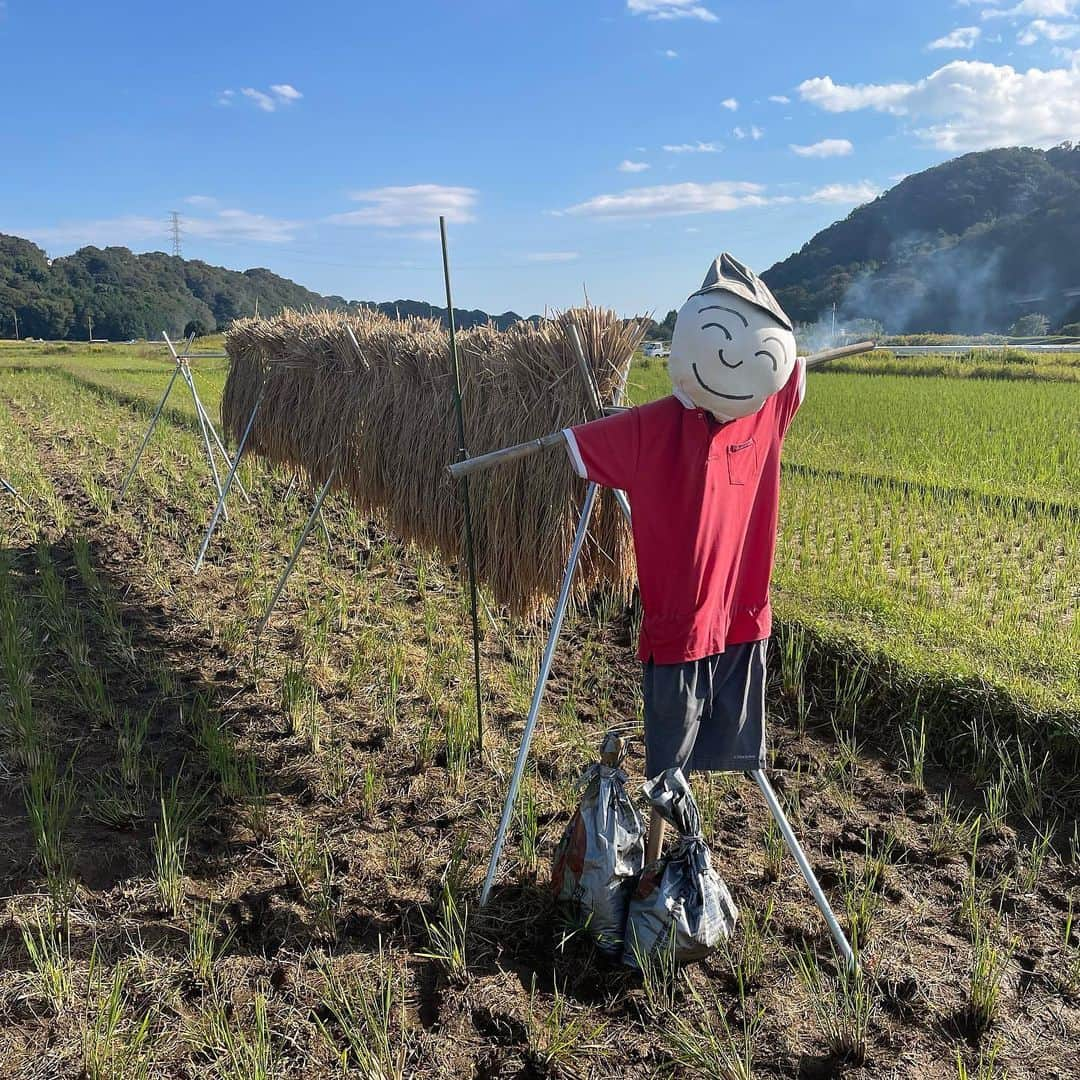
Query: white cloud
670, 9
226, 225
780, 99
285, 92
692, 148
963, 37
844, 193
825, 148
200, 200
669, 199
278, 96
552, 256
417, 204
752, 132
240, 225
730, 103
669, 54
1049, 9
1040, 29
632, 166
969, 105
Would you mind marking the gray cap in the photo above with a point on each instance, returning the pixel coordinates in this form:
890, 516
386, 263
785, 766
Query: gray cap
727, 274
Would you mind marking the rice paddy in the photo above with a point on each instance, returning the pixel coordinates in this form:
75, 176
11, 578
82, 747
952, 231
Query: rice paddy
239, 859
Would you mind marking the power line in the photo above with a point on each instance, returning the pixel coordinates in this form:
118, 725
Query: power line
174, 228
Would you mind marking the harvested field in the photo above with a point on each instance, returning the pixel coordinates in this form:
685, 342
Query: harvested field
230, 861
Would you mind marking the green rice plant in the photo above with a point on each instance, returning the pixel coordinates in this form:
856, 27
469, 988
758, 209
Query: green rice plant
985, 1067
774, 849
984, 981
844, 765
130, 742
560, 1037
48, 945
950, 832
203, 945
425, 744
525, 814
913, 742
842, 1005
337, 774
661, 976
366, 1013
996, 802
748, 948
1066, 972
50, 799
246, 1053
370, 791
460, 738
1024, 779
299, 858
170, 853
114, 1047
861, 901
1033, 858
448, 936
324, 899
694, 1041
794, 655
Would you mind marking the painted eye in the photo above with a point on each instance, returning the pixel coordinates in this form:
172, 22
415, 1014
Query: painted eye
719, 326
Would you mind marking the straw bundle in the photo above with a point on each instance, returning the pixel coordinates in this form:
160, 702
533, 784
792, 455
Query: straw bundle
372, 398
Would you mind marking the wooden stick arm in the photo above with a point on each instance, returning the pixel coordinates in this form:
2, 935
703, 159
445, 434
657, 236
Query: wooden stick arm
818, 358
506, 455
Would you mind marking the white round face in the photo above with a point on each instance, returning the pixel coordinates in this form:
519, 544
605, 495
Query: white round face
728, 356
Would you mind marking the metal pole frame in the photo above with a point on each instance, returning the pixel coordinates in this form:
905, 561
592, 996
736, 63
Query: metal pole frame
470, 551
14, 494
315, 512
228, 482
538, 693
181, 361
149, 431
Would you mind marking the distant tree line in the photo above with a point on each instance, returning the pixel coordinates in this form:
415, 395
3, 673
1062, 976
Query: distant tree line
124, 296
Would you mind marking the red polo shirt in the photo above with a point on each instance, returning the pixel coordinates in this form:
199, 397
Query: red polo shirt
705, 498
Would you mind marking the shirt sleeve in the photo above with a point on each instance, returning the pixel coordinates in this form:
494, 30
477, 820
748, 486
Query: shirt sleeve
791, 397
606, 451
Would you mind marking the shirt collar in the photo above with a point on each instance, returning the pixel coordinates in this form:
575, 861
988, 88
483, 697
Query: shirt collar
683, 399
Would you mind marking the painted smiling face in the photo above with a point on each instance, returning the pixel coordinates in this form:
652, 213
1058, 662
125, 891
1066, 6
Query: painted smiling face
733, 346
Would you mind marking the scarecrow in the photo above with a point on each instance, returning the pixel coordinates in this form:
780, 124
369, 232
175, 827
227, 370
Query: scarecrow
701, 469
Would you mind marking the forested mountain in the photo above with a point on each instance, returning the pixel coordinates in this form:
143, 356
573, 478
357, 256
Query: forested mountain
137, 296
966, 246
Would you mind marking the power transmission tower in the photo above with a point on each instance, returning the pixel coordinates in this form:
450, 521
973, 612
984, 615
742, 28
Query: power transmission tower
174, 228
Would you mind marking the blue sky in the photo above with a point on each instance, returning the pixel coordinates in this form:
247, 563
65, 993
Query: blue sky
612, 145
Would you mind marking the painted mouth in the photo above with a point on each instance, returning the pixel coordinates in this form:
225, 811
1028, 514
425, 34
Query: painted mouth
705, 386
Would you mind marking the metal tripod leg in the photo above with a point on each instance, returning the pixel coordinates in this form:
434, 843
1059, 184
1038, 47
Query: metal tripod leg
149, 432
205, 436
804, 866
538, 693
296, 553
14, 494
228, 483
217, 438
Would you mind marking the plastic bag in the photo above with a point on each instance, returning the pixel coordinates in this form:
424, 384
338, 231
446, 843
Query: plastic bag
680, 906
601, 852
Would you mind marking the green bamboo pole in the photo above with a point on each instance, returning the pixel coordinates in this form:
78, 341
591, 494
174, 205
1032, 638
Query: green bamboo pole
470, 554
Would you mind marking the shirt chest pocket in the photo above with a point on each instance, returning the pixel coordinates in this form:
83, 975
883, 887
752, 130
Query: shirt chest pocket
742, 462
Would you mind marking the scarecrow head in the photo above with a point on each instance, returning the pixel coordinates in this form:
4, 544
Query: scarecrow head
733, 344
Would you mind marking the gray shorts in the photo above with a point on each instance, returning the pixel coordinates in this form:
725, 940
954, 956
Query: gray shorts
707, 714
